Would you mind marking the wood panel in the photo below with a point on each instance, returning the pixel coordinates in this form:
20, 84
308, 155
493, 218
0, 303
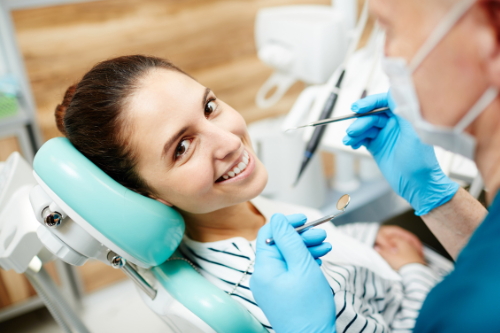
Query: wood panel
96, 275
212, 40
8, 146
15, 288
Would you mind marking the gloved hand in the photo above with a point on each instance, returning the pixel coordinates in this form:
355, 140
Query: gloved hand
288, 285
313, 238
410, 166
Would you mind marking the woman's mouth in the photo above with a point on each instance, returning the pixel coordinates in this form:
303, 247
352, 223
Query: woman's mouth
237, 169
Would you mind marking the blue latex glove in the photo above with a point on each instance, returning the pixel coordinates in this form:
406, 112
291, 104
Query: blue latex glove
312, 238
288, 285
410, 166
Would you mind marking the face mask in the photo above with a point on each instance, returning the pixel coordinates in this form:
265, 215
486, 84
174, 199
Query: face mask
404, 94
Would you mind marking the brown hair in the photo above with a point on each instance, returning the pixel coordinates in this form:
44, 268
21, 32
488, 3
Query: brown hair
90, 115
493, 10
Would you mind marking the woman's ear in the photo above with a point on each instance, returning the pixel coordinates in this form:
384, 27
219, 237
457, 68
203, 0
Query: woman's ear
164, 202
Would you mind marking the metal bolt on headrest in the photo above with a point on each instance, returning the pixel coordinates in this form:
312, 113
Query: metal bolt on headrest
116, 261
51, 219
119, 262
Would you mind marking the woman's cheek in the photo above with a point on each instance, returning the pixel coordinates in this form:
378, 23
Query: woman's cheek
197, 179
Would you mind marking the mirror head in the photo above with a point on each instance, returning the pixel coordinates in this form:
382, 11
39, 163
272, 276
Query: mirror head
343, 202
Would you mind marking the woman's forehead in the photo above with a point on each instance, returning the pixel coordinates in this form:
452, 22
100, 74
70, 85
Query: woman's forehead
161, 83
167, 93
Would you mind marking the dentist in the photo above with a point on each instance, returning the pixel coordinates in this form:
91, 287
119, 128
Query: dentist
443, 61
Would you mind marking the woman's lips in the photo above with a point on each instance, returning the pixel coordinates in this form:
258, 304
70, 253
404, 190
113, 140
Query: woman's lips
241, 170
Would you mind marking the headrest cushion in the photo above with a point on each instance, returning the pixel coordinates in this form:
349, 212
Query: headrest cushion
146, 229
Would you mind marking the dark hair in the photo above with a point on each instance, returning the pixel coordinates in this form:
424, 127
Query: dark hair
493, 11
90, 115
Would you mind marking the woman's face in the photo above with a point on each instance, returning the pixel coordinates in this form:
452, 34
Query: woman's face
190, 147
454, 75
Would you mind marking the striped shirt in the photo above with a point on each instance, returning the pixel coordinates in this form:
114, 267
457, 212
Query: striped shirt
367, 298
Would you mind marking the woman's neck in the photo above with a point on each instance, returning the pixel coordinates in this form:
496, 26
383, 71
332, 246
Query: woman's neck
241, 220
487, 133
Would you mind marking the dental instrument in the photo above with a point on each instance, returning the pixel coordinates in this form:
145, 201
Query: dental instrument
342, 204
329, 106
363, 95
341, 118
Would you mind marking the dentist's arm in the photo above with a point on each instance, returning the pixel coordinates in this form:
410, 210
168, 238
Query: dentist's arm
288, 284
454, 222
412, 170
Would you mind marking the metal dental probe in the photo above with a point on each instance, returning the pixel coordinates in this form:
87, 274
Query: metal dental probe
309, 225
336, 119
363, 95
342, 204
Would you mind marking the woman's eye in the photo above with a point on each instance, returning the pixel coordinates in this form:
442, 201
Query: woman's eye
210, 107
182, 148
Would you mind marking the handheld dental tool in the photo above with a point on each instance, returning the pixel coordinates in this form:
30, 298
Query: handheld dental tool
363, 95
329, 106
377, 41
341, 118
341, 205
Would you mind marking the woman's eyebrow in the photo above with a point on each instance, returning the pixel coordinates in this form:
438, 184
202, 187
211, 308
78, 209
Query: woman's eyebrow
207, 91
170, 141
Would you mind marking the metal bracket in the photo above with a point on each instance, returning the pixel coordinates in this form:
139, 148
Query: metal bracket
119, 262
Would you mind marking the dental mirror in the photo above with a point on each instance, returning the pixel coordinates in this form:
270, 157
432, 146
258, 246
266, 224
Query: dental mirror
341, 205
343, 202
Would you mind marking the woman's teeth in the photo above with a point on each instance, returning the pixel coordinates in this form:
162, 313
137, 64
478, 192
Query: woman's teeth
238, 168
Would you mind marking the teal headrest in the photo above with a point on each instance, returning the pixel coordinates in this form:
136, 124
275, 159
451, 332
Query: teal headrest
146, 229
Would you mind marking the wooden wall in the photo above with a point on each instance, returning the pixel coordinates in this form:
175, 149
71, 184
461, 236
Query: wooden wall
212, 40
15, 288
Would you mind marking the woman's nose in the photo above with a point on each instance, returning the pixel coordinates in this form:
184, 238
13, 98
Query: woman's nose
224, 143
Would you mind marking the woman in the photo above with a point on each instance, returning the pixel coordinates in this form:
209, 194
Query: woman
158, 132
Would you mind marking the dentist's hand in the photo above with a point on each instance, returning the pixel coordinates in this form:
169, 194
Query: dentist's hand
313, 238
410, 166
288, 284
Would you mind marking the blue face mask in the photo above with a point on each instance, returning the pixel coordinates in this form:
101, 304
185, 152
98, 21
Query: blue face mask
405, 96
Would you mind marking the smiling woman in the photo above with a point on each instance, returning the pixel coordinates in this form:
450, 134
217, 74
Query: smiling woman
182, 131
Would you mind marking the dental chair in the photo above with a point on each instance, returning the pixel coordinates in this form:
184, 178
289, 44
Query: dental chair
83, 213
